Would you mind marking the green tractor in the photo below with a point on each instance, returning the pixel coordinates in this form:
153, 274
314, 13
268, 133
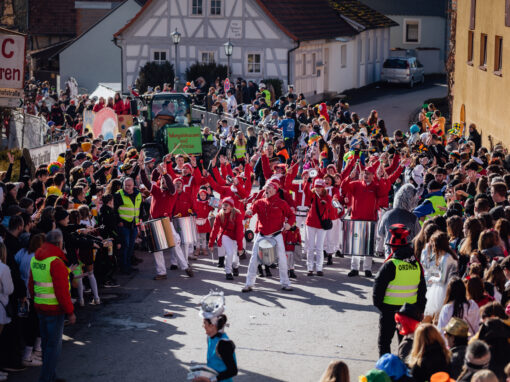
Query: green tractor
165, 123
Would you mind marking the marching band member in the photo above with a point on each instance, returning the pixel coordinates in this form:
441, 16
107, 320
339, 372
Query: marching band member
202, 209
321, 209
332, 243
274, 214
162, 203
364, 195
291, 238
228, 229
183, 207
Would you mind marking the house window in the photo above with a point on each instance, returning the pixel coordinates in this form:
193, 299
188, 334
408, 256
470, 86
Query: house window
343, 56
472, 17
498, 55
314, 64
196, 7
471, 40
303, 65
159, 56
483, 51
254, 63
207, 57
215, 7
411, 31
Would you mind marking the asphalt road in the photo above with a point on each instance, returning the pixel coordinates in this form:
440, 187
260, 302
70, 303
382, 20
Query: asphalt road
280, 336
395, 103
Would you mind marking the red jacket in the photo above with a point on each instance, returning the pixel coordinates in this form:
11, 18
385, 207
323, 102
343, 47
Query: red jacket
183, 204
118, 107
60, 277
272, 213
233, 230
98, 107
162, 202
364, 198
226, 191
325, 209
202, 209
385, 187
290, 239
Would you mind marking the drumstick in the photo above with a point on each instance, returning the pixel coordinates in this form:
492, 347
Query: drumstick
175, 148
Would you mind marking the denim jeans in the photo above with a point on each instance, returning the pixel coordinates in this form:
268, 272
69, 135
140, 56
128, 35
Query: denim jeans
127, 237
52, 328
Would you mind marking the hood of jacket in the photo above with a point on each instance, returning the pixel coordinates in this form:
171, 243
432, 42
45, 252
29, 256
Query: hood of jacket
48, 250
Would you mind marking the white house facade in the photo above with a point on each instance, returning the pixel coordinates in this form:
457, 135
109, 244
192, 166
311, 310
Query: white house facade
308, 44
92, 57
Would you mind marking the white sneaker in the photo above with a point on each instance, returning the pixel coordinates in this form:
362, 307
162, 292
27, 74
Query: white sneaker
95, 302
82, 302
31, 362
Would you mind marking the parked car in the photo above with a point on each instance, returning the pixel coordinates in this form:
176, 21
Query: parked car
403, 70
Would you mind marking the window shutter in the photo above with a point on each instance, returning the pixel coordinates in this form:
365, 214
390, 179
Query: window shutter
507, 13
473, 14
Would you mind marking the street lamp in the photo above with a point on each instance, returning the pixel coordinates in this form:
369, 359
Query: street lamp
176, 39
228, 52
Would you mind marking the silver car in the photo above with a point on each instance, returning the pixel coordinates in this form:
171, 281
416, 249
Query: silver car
403, 70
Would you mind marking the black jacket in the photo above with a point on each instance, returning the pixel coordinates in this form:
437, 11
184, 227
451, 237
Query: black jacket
387, 273
458, 355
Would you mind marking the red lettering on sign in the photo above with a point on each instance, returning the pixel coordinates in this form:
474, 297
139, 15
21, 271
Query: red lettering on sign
4, 48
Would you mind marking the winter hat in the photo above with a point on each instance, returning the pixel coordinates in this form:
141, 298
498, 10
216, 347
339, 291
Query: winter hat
319, 182
409, 310
228, 200
178, 180
203, 189
60, 214
393, 366
441, 376
399, 234
281, 166
274, 183
85, 146
331, 166
190, 167
414, 129
375, 375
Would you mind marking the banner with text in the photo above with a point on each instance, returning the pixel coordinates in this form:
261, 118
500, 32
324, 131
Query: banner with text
189, 140
47, 153
12, 64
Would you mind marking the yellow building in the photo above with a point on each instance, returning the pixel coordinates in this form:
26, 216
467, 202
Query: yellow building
481, 93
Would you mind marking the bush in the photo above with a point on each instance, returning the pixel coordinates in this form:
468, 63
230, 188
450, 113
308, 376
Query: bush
277, 85
209, 71
154, 74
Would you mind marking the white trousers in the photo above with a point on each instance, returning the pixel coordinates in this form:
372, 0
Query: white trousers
176, 256
254, 261
333, 237
231, 257
315, 248
202, 240
356, 263
300, 223
290, 259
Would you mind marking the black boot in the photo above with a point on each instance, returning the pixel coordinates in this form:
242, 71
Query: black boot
330, 260
235, 271
221, 262
339, 254
261, 272
292, 274
268, 271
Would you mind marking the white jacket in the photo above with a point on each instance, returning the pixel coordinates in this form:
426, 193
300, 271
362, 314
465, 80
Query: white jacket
6, 288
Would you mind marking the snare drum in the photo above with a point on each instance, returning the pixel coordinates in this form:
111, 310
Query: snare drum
267, 251
187, 229
159, 234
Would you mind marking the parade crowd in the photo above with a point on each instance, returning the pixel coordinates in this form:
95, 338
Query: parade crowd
437, 198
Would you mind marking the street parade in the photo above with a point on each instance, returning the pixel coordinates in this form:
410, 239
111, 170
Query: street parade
207, 222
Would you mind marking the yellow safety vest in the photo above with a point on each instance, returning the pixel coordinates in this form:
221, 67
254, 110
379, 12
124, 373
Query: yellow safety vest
240, 151
44, 293
404, 287
129, 211
437, 201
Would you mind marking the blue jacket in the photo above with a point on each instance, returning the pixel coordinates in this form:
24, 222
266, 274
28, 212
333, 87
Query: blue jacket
426, 208
287, 126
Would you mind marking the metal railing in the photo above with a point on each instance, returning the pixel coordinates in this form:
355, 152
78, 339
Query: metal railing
211, 119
